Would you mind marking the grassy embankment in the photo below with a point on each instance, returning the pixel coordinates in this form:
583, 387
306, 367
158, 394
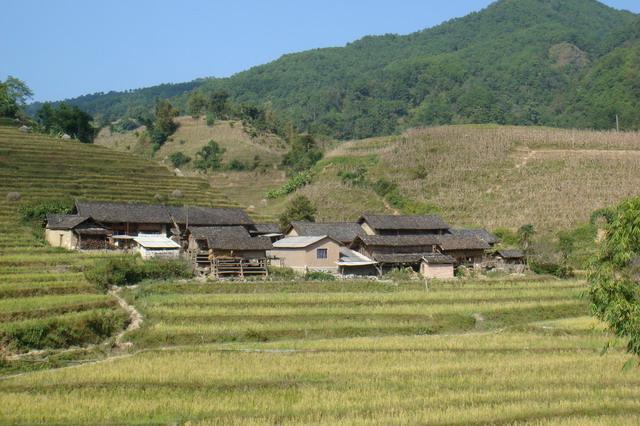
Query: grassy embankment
475, 352
45, 302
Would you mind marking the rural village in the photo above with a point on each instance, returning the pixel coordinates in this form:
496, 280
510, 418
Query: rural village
208, 218
226, 243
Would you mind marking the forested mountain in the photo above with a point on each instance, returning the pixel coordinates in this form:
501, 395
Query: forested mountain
553, 62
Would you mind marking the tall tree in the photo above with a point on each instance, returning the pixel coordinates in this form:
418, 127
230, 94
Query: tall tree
299, 208
14, 94
615, 275
66, 119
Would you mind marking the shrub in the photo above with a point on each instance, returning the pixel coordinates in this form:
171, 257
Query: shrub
282, 273
211, 119
400, 274
237, 165
299, 208
38, 212
294, 183
382, 187
13, 196
178, 159
319, 276
356, 177
559, 270
209, 157
128, 270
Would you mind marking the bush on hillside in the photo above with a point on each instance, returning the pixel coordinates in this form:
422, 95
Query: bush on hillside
237, 165
299, 208
38, 212
291, 185
179, 159
129, 270
209, 157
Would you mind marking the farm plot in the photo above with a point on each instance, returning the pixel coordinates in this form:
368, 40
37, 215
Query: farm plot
536, 359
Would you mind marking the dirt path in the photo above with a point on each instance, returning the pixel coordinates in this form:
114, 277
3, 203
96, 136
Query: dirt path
135, 318
135, 321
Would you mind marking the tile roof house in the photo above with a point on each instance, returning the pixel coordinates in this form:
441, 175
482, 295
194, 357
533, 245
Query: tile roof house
75, 232
402, 225
481, 234
344, 232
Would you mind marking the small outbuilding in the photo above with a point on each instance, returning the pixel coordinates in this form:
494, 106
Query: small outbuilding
74, 232
303, 254
438, 265
511, 260
156, 246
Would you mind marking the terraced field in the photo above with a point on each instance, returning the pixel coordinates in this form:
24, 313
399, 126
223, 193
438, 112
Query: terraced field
45, 302
498, 352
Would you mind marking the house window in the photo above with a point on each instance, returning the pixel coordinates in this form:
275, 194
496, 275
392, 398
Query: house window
322, 253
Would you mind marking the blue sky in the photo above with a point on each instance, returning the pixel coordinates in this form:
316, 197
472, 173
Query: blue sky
66, 48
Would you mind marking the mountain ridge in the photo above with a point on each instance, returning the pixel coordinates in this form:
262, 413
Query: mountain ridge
491, 66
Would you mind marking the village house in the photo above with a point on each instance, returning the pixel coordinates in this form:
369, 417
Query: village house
304, 254
268, 230
396, 251
468, 251
510, 260
223, 234
344, 232
227, 251
402, 225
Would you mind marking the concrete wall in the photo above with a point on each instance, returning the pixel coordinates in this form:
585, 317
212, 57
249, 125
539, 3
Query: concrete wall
443, 272
305, 258
61, 238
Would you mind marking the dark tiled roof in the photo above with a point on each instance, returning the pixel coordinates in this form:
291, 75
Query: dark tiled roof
418, 223
398, 240
64, 221
453, 242
511, 254
156, 213
230, 238
345, 232
482, 234
438, 259
266, 228
399, 257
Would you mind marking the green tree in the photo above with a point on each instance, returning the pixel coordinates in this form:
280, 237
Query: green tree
164, 115
14, 94
67, 119
196, 104
525, 234
218, 103
615, 275
209, 157
299, 208
303, 154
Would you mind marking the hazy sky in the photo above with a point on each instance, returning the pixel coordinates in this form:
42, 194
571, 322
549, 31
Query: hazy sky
66, 48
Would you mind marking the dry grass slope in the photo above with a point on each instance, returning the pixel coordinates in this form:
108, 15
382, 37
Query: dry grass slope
489, 175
